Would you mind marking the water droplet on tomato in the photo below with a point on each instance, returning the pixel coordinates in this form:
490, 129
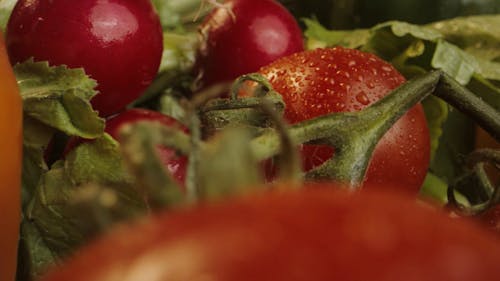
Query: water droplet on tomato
362, 98
386, 68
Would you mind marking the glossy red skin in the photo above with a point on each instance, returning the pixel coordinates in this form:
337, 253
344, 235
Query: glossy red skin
322, 81
318, 234
119, 43
259, 32
491, 219
175, 164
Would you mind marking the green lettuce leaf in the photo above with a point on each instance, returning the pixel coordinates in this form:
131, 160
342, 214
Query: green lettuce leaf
436, 112
180, 13
477, 35
59, 97
34, 253
74, 201
178, 58
318, 36
6, 7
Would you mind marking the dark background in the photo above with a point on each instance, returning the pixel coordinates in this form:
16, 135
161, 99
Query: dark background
346, 14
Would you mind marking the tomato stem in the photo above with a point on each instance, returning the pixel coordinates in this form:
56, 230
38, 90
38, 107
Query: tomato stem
467, 102
139, 145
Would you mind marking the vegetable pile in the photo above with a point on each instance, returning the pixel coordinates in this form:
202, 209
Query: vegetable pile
165, 111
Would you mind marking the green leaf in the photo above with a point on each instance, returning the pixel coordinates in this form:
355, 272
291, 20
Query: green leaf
34, 253
178, 58
401, 29
477, 35
97, 161
170, 106
317, 36
6, 7
455, 62
436, 190
179, 51
393, 39
436, 112
456, 142
77, 199
59, 97
48, 211
36, 139
179, 13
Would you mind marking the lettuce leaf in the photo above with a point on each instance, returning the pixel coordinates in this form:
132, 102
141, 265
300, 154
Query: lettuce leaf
6, 7
477, 35
76, 200
59, 97
56, 102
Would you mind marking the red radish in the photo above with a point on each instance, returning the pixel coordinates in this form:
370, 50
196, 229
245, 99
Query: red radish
119, 43
242, 36
174, 163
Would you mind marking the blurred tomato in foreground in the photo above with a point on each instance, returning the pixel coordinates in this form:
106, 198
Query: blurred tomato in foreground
315, 234
10, 165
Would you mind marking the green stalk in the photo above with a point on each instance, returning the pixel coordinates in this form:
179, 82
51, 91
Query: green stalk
467, 102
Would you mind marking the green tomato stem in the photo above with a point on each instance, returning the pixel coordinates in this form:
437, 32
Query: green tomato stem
467, 102
139, 150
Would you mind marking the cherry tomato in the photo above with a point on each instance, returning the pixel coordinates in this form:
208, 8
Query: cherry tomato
314, 234
322, 81
118, 42
10, 165
243, 36
174, 163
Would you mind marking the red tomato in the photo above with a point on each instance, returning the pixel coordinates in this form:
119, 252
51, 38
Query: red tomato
491, 219
118, 42
318, 234
243, 36
173, 162
322, 81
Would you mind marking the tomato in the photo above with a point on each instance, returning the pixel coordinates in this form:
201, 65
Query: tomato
10, 166
118, 42
322, 81
175, 164
243, 36
320, 233
491, 219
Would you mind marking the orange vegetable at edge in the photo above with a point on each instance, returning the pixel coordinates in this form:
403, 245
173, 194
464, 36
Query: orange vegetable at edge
10, 166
